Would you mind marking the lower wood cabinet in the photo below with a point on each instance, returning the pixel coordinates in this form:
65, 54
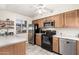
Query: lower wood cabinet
38, 39
15, 49
55, 45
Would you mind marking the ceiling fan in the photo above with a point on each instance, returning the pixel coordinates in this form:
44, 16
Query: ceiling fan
41, 9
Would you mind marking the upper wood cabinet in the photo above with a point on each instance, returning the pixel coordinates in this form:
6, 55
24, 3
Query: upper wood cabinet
70, 18
35, 21
59, 21
78, 18
41, 23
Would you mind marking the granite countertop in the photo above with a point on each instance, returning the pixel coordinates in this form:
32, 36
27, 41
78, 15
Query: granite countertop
67, 37
8, 40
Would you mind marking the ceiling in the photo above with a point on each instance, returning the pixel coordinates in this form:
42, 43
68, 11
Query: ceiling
25, 9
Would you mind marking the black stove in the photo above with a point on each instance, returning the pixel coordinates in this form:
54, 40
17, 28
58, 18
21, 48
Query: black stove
47, 40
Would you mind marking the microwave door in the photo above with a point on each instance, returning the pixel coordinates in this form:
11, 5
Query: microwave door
49, 24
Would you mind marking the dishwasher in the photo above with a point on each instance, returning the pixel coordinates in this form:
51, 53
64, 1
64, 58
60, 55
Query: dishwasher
67, 46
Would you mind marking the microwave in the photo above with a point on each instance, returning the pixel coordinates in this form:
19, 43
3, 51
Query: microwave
49, 24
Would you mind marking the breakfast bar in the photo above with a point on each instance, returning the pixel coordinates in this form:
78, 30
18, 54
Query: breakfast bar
13, 45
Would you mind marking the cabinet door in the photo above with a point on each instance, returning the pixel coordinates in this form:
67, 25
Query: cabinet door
70, 19
5, 51
59, 21
38, 39
19, 48
56, 44
35, 22
40, 21
78, 18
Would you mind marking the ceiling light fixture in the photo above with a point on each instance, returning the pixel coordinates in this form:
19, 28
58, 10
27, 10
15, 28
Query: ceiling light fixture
41, 9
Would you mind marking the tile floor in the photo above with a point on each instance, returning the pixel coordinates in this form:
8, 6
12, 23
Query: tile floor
36, 50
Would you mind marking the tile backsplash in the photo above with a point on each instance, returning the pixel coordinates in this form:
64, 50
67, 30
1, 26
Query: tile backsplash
70, 32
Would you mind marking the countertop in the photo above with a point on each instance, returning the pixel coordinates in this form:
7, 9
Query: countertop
67, 37
9, 40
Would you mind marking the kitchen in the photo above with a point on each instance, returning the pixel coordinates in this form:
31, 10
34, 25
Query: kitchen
38, 29
55, 33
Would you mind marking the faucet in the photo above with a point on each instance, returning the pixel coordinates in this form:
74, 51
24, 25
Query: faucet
61, 34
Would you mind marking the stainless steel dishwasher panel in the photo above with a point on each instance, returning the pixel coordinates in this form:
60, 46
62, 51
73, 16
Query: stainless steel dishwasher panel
67, 46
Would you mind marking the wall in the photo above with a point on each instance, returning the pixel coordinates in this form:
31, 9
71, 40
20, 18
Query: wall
14, 16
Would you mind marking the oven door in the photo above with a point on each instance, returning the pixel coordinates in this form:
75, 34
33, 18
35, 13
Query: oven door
46, 40
46, 43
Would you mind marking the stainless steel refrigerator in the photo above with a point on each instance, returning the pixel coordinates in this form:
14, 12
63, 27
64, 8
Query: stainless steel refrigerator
31, 33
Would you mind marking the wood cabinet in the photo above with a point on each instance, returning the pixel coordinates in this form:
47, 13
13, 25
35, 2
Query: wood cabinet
59, 20
20, 49
38, 39
78, 18
35, 22
41, 23
70, 18
15, 49
77, 47
55, 45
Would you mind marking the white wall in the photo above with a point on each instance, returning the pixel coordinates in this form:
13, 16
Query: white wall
59, 9
14, 16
